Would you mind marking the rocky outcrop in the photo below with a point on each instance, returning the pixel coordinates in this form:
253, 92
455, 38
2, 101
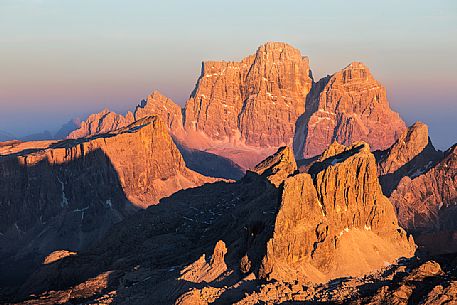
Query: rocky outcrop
426, 204
348, 106
255, 101
57, 255
160, 105
410, 144
410, 155
203, 271
278, 166
421, 285
335, 223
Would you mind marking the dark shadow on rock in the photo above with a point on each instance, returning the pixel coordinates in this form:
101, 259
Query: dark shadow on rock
420, 164
165, 238
209, 164
305, 164
319, 166
54, 206
311, 106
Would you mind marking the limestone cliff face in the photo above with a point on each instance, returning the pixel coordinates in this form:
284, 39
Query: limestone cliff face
67, 194
351, 106
426, 203
255, 101
335, 222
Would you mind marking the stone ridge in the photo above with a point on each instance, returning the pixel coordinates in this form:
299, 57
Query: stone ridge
351, 106
155, 169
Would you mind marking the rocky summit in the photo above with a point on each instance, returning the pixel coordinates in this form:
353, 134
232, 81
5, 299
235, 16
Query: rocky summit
255, 101
410, 155
346, 107
341, 222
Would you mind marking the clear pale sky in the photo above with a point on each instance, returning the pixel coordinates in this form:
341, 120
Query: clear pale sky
60, 59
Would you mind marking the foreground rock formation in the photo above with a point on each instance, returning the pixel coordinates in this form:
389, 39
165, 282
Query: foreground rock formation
334, 223
346, 107
67, 194
273, 226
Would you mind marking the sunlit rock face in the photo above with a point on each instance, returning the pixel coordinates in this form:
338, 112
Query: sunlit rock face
346, 107
335, 222
255, 101
67, 194
163, 107
412, 154
103, 122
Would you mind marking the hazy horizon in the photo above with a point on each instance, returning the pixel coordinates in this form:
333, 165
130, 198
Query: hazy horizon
62, 60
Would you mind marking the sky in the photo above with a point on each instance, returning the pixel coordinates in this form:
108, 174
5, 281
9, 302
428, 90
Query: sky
61, 59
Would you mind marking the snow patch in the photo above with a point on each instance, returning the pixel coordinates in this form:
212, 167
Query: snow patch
319, 119
64, 201
82, 211
327, 112
345, 230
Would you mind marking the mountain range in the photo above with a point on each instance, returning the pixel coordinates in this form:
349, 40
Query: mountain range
268, 187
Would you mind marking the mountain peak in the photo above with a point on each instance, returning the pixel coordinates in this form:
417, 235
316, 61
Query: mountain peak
278, 166
271, 46
356, 65
348, 106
